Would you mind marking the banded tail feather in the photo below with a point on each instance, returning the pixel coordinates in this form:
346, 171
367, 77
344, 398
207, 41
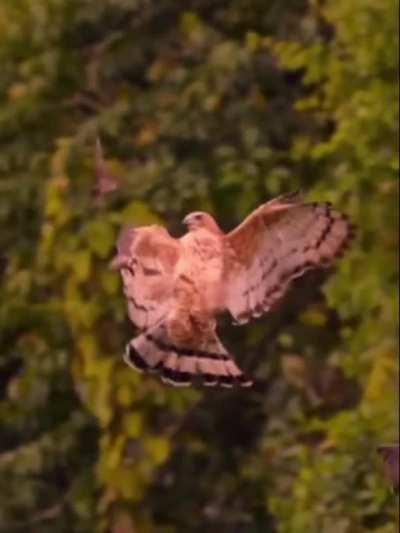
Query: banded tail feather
153, 351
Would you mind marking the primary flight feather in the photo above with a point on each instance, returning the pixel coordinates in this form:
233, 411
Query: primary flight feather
175, 288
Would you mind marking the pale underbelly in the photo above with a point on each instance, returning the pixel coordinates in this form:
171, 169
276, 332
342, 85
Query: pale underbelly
199, 282
201, 292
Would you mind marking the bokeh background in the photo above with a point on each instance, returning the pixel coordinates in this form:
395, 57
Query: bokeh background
201, 105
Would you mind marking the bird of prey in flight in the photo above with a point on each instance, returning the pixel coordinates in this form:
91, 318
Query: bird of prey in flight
176, 288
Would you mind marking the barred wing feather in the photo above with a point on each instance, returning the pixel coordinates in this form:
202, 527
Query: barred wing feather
147, 258
277, 243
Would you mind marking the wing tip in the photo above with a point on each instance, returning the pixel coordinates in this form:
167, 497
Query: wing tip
291, 198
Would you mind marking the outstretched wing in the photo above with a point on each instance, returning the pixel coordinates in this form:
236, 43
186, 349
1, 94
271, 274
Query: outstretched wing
278, 242
147, 258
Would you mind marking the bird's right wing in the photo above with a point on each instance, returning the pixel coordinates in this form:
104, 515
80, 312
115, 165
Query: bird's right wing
147, 258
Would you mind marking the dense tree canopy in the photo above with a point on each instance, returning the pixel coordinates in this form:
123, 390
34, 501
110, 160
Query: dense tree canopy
203, 105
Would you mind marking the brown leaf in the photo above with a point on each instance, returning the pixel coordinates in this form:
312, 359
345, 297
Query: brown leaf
122, 523
335, 390
106, 181
390, 458
148, 134
326, 386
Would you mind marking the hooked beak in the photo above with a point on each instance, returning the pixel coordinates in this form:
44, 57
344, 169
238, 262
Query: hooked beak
187, 219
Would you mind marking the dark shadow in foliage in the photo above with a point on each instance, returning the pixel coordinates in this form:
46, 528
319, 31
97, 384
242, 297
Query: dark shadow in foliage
390, 458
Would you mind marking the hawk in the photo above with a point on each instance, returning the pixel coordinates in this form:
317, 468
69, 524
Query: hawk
175, 288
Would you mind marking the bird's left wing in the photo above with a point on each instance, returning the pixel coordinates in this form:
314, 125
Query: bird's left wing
147, 258
278, 242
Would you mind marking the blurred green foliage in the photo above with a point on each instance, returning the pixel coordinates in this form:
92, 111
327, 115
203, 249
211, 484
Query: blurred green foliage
215, 106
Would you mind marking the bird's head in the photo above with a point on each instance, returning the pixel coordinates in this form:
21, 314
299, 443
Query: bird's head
201, 220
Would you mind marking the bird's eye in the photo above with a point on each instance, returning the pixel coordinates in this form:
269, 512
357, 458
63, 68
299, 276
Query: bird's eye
198, 216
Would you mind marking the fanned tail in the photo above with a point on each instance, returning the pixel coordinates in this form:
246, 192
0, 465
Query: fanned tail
181, 361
